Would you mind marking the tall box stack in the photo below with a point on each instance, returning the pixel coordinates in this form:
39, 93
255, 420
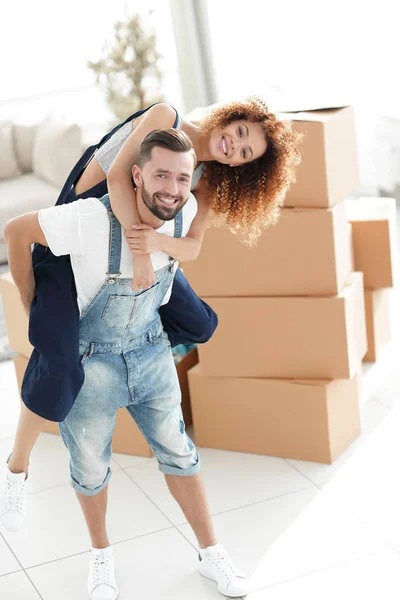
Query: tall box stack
374, 234
127, 437
280, 375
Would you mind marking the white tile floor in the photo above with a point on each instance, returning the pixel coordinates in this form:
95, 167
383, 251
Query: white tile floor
298, 529
294, 527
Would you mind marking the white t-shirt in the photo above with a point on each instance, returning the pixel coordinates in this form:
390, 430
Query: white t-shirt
82, 229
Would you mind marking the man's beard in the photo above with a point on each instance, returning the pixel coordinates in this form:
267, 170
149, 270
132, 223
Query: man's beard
158, 208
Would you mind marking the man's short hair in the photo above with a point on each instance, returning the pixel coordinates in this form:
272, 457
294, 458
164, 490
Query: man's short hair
171, 139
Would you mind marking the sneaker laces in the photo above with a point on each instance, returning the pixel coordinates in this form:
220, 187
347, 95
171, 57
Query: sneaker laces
15, 495
223, 562
103, 570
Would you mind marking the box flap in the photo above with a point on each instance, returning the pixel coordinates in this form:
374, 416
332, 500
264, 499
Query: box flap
318, 115
312, 382
294, 100
354, 279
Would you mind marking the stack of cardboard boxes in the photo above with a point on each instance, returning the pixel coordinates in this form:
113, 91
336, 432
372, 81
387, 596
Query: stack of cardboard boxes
373, 223
127, 437
280, 375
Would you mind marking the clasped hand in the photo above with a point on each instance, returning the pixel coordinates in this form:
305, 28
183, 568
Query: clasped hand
142, 239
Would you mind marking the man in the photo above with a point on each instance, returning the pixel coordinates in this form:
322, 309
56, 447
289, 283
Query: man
126, 354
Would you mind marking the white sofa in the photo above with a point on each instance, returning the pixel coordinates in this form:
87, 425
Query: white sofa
34, 163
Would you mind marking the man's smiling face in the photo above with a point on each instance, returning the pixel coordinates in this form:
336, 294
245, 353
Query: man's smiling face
164, 182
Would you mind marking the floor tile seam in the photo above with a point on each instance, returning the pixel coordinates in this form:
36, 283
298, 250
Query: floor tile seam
33, 585
150, 499
81, 553
223, 512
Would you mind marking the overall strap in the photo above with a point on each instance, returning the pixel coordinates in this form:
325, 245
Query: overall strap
114, 255
177, 233
178, 224
114, 252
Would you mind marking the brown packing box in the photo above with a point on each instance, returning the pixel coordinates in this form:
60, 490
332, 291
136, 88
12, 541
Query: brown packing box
307, 253
350, 241
304, 420
15, 315
374, 240
329, 168
378, 322
316, 338
127, 438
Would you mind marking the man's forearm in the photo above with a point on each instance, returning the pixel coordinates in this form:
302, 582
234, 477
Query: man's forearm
20, 262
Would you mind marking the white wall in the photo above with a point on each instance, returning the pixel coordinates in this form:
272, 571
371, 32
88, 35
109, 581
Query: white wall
346, 47
45, 46
311, 52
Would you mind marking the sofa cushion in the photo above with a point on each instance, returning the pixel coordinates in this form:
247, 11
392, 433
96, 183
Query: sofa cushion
24, 139
8, 160
56, 149
24, 194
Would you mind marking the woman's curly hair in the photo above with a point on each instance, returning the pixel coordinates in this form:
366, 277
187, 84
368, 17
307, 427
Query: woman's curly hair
250, 196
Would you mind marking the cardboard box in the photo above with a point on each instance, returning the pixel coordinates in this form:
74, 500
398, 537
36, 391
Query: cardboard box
350, 242
306, 254
317, 338
127, 438
15, 315
329, 168
378, 322
304, 420
374, 240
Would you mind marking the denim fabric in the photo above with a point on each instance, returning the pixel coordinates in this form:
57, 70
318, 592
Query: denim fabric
54, 375
127, 359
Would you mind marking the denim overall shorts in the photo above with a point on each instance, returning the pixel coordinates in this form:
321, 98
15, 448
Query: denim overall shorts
127, 360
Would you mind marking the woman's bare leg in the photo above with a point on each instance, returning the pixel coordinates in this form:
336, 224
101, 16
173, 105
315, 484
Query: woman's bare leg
29, 427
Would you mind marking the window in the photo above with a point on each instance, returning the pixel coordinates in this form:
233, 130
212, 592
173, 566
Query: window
45, 51
297, 51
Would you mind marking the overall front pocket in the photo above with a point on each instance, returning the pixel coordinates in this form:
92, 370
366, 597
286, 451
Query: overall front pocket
121, 311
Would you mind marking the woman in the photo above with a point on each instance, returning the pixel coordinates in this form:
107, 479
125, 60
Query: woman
247, 159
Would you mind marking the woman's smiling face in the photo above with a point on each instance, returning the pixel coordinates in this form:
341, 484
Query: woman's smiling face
238, 143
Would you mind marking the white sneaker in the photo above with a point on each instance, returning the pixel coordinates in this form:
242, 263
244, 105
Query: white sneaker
13, 502
101, 581
216, 565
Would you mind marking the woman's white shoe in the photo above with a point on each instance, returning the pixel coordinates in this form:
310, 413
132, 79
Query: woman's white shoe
13, 501
216, 565
101, 581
